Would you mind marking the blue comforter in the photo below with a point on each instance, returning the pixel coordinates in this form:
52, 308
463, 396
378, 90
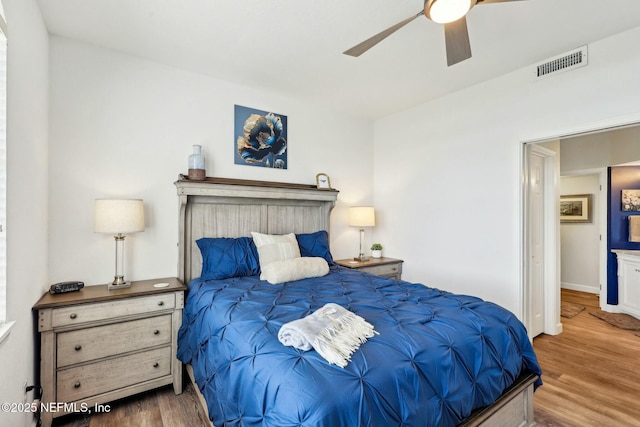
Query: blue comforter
438, 356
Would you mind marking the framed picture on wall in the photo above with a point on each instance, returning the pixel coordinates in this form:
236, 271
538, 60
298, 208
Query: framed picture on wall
575, 208
260, 138
631, 200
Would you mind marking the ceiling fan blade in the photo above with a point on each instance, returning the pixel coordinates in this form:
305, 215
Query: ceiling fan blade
361, 48
456, 37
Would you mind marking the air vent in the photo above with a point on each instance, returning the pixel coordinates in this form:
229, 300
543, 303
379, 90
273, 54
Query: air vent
565, 62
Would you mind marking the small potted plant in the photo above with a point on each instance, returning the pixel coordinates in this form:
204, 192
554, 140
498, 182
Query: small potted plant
376, 250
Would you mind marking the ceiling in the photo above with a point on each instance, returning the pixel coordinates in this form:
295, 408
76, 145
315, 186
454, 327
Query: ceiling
294, 47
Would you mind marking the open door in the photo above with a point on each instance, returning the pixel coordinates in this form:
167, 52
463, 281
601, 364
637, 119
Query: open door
541, 290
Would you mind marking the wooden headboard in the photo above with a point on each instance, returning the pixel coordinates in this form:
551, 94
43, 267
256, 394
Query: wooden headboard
218, 207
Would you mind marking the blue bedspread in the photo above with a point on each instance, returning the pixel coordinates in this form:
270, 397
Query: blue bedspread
438, 357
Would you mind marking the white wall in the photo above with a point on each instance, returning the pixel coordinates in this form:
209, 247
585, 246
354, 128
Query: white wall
122, 126
27, 129
625, 145
586, 152
448, 173
580, 242
599, 150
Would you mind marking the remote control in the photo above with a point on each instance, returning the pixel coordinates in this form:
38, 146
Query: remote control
62, 287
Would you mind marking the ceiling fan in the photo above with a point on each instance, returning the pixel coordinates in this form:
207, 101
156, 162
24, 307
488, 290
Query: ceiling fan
451, 13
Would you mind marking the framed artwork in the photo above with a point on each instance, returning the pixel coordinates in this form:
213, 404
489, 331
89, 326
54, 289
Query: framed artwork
575, 208
323, 182
260, 138
631, 200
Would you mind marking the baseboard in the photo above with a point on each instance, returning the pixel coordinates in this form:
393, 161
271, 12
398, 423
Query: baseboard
610, 308
558, 329
580, 288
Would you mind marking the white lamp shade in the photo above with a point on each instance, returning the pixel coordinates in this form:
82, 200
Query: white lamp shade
362, 216
119, 216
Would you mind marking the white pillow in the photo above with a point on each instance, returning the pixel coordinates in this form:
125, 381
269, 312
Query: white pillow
273, 247
288, 270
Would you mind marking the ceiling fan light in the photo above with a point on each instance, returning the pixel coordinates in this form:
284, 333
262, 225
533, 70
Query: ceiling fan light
445, 11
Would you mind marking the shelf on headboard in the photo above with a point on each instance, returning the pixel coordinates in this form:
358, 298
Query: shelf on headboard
248, 182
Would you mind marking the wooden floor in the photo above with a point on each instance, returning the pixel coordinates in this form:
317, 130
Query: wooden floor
591, 371
157, 408
591, 375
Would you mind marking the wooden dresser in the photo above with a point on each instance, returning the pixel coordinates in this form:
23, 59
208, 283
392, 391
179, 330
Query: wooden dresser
388, 267
99, 345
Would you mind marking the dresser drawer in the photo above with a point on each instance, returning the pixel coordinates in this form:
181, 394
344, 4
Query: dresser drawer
78, 314
111, 374
391, 270
109, 340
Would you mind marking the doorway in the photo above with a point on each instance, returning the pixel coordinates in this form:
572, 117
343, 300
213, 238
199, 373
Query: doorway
614, 140
583, 246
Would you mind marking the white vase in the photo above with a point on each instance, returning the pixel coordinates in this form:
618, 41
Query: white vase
376, 254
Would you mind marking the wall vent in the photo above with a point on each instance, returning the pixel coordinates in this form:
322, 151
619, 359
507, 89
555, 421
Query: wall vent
564, 62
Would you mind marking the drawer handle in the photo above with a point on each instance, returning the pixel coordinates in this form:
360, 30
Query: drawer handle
160, 303
73, 316
155, 365
77, 384
156, 332
78, 347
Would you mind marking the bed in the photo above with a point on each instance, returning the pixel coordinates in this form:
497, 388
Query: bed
438, 359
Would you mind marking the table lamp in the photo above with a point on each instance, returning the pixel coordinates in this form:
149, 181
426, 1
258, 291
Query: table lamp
362, 216
119, 217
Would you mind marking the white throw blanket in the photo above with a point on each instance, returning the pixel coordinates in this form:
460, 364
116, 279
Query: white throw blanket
334, 332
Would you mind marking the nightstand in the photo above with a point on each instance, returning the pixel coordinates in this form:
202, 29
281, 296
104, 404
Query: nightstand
99, 345
388, 267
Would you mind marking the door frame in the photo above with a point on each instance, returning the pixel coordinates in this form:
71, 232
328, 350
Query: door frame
608, 124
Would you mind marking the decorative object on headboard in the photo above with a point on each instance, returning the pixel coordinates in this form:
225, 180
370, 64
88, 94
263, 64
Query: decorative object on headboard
362, 216
323, 182
261, 138
119, 217
197, 170
221, 207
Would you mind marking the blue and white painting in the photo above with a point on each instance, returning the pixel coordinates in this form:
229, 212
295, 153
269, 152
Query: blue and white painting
261, 138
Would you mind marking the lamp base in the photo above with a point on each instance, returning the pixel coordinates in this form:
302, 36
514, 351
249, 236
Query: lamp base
124, 285
118, 283
361, 258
